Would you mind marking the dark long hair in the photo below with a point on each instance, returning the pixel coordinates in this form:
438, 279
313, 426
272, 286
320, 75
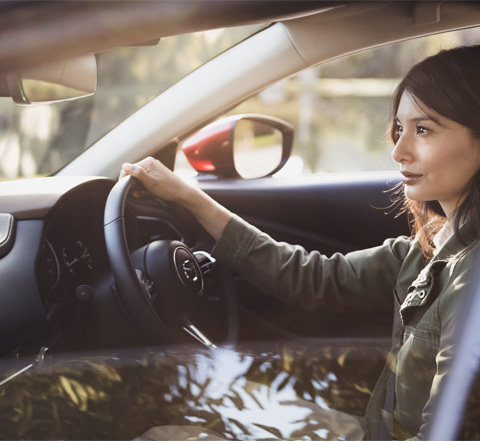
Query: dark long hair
449, 84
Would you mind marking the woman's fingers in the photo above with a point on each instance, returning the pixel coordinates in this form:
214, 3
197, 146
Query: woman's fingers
126, 170
156, 178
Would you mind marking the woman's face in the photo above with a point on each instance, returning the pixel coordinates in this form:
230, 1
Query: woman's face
437, 156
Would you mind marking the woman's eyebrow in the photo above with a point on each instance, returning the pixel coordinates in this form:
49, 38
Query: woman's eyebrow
422, 118
427, 118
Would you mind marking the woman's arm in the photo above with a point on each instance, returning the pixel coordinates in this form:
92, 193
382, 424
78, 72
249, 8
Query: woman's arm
360, 281
288, 272
162, 182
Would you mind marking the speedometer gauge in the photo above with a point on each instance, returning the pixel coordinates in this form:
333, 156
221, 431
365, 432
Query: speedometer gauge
76, 257
51, 265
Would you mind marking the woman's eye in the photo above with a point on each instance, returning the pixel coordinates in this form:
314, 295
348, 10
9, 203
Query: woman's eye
397, 130
422, 130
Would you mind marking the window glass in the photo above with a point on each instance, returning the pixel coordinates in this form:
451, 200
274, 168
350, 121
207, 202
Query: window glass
38, 140
340, 110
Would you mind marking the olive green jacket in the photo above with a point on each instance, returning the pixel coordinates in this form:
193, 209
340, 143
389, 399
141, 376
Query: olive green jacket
427, 296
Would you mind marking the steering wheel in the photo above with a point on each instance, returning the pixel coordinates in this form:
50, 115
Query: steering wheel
162, 284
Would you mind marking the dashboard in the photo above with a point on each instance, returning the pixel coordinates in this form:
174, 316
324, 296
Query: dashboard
74, 251
57, 245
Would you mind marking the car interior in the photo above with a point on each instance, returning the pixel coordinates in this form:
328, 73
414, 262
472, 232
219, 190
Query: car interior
76, 253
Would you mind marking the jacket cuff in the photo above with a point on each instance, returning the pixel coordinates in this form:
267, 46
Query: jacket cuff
235, 242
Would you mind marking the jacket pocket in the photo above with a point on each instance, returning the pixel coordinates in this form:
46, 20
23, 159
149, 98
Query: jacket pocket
420, 340
416, 368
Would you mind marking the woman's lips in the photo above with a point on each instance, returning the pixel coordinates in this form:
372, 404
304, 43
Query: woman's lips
410, 178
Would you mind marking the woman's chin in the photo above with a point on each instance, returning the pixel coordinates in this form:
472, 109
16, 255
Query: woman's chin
414, 195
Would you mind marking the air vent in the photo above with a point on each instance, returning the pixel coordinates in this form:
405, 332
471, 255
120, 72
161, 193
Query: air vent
7, 233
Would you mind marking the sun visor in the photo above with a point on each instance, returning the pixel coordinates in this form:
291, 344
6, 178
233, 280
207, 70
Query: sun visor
7, 233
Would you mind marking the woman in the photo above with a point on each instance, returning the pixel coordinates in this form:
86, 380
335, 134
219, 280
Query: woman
435, 128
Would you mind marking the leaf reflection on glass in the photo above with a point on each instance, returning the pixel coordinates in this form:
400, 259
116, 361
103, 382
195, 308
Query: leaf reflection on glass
243, 393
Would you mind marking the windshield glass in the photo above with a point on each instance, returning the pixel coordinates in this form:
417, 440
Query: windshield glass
38, 140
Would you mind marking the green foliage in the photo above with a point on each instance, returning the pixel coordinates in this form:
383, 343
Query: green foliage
121, 397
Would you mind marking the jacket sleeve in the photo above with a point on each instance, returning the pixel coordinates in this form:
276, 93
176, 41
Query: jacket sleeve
360, 281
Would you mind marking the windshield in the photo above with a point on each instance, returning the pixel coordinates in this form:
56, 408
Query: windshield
39, 140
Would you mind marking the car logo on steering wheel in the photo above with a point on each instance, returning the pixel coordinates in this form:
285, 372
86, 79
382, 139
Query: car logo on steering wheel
190, 270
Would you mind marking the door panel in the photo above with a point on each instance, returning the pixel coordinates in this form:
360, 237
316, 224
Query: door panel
329, 213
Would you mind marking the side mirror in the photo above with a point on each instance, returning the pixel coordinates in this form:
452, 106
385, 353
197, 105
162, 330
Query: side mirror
53, 82
245, 146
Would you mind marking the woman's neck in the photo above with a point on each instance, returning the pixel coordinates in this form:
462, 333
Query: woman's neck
443, 235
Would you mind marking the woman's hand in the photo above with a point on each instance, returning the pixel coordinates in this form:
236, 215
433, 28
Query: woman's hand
158, 179
162, 182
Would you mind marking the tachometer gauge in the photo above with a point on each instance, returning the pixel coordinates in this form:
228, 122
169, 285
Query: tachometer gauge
51, 265
76, 257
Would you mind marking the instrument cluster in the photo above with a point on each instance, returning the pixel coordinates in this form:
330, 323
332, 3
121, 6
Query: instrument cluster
69, 261
74, 247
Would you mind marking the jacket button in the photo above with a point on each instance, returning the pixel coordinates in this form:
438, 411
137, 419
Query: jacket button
421, 294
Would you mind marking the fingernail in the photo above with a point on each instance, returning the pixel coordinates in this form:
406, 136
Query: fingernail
127, 167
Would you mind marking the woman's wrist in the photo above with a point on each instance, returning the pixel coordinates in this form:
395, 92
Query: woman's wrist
189, 197
211, 215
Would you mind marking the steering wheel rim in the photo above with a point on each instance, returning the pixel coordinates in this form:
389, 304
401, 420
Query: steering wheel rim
134, 289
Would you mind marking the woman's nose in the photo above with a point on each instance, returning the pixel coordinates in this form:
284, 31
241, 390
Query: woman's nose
402, 151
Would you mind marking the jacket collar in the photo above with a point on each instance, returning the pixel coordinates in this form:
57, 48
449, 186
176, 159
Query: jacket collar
454, 245
421, 290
